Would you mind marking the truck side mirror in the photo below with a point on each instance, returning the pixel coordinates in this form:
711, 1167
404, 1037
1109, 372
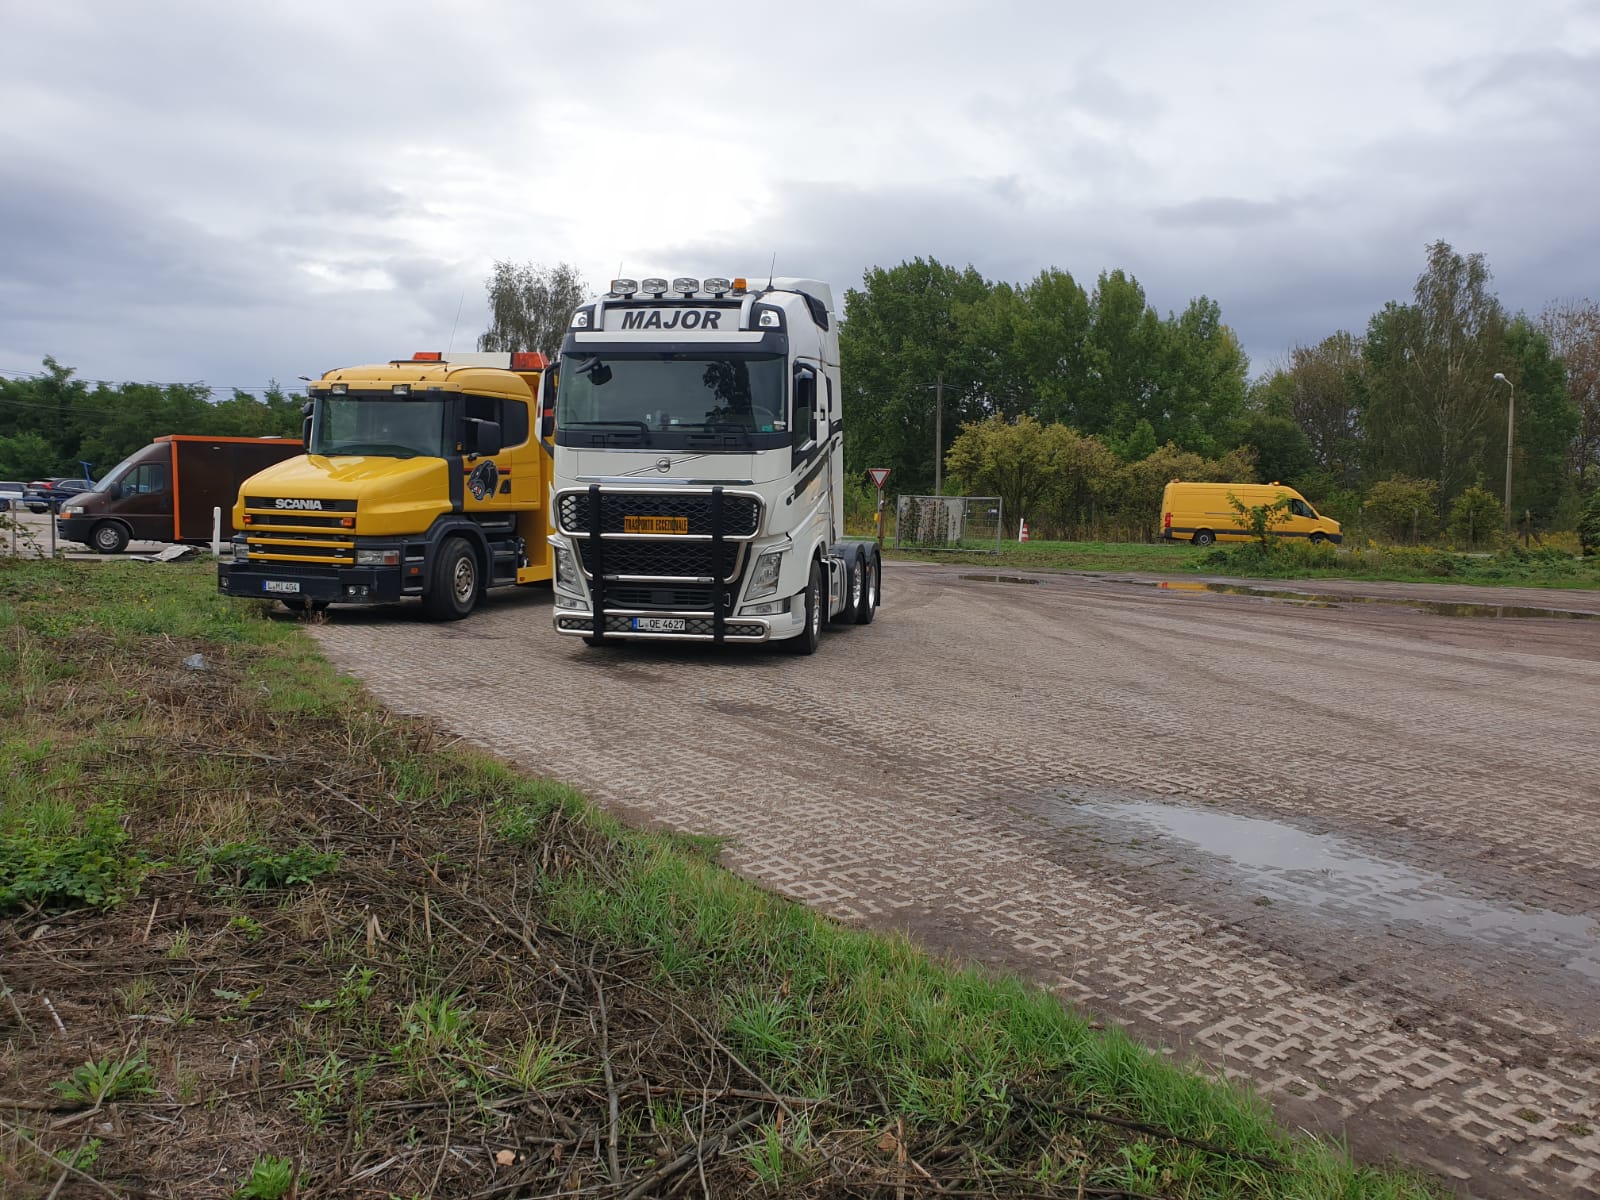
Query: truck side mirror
483, 437
805, 404
305, 425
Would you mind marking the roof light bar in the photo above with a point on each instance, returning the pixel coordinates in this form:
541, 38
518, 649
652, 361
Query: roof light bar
716, 285
655, 285
685, 285
624, 287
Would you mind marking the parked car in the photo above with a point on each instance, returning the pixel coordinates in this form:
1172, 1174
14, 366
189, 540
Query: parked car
11, 492
42, 492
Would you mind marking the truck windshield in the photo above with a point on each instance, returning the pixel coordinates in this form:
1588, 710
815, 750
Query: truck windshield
648, 394
379, 425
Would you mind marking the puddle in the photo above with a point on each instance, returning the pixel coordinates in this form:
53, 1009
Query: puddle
998, 579
1439, 608
1329, 874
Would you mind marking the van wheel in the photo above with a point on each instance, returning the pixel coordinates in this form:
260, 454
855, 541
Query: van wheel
453, 587
109, 538
1204, 537
1317, 539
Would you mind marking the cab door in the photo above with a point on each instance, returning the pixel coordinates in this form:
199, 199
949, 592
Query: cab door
507, 479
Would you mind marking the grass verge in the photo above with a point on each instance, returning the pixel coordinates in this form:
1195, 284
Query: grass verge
1514, 566
262, 938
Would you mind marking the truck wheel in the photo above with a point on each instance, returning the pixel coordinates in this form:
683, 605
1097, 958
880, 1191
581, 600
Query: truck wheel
855, 587
452, 589
1204, 537
871, 581
109, 538
811, 637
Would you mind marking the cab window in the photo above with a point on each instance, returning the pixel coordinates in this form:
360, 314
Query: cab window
510, 416
1301, 509
147, 479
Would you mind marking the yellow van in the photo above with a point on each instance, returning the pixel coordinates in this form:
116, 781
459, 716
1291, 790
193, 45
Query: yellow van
1200, 513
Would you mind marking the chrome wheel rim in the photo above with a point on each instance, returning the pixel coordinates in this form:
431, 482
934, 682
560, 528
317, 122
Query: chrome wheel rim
465, 581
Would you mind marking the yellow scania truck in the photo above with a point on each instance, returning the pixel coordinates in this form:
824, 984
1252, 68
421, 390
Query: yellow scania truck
426, 477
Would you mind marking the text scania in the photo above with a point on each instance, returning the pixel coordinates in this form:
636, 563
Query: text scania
684, 318
317, 504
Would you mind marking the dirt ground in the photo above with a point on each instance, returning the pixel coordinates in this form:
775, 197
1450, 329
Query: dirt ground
1346, 851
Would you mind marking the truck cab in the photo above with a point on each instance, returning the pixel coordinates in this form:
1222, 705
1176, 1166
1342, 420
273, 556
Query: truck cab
699, 469
422, 477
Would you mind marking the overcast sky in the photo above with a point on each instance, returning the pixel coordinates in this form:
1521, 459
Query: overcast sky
236, 192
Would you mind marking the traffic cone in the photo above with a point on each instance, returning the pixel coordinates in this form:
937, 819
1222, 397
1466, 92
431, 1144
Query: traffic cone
1022, 534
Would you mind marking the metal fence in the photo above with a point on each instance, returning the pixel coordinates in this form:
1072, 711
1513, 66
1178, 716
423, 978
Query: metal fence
970, 523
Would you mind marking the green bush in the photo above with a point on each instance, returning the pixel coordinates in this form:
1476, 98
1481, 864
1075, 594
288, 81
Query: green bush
1589, 525
1403, 509
1476, 516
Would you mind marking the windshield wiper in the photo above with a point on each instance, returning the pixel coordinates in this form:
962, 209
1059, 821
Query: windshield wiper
644, 430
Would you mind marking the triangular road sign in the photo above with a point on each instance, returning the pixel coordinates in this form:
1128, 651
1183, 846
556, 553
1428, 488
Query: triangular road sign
880, 476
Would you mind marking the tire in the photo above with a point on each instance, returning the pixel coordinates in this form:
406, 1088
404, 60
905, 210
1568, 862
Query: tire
872, 583
811, 638
1317, 539
1204, 537
855, 584
109, 538
455, 582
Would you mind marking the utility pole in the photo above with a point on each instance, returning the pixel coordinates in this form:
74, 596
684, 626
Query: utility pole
1511, 426
938, 442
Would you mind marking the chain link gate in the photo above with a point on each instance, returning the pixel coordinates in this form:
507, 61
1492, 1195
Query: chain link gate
970, 523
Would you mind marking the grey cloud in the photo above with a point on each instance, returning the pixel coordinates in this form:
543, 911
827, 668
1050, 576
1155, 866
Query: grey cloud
1226, 212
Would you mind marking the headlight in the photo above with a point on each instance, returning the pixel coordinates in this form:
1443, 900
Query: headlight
566, 566
764, 578
377, 558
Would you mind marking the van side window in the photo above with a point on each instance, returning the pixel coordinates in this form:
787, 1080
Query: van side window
147, 479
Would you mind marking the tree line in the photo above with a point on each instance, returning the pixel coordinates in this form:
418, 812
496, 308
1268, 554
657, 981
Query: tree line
1072, 396
51, 423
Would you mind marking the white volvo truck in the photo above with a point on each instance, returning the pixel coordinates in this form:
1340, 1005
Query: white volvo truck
699, 467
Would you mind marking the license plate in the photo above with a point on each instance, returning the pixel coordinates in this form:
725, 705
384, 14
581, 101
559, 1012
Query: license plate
279, 585
659, 624
655, 524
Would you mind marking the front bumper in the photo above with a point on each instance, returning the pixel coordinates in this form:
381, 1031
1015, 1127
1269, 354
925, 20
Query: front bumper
697, 626
331, 585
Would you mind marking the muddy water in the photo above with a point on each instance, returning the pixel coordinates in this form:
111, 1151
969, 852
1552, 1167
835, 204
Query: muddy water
1440, 608
1329, 875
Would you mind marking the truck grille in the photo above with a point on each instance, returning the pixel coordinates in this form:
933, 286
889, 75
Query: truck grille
300, 547
669, 558
741, 515
625, 595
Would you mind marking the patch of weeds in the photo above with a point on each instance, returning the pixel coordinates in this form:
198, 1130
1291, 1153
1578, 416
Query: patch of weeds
256, 868
270, 1178
81, 1158
246, 925
45, 867
181, 944
539, 1063
94, 1083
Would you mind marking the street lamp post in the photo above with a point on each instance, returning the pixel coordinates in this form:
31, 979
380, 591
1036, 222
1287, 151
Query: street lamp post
1511, 427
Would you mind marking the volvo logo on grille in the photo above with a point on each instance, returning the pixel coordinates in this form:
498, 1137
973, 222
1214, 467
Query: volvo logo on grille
316, 504
663, 464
